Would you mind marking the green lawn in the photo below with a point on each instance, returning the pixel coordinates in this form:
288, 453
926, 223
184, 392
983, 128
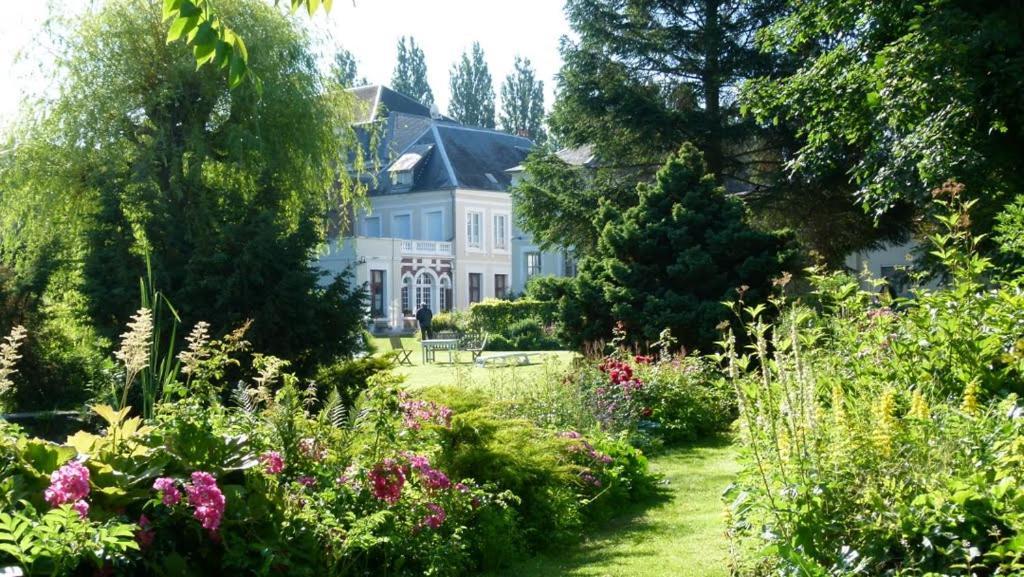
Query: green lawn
682, 535
463, 370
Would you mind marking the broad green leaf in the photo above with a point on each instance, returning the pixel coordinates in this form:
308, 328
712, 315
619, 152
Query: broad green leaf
171, 8
180, 27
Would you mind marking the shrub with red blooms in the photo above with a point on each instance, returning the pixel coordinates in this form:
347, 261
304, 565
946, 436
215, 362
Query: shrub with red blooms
387, 479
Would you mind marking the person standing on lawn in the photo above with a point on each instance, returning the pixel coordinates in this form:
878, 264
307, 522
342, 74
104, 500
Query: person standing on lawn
424, 316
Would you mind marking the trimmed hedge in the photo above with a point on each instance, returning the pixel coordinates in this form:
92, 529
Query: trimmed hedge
496, 316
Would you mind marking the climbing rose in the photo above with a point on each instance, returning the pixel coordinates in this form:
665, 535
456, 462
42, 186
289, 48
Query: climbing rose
435, 518
68, 484
207, 499
387, 479
272, 461
170, 490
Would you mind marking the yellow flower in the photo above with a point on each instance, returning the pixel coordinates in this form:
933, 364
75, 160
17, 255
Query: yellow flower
970, 403
885, 422
919, 407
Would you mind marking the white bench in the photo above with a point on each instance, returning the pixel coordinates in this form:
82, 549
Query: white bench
520, 357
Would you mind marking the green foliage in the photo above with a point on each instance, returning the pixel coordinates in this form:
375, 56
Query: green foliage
671, 260
472, 92
902, 95
350, 377
556, 201
346, 69
1009, 235
522, 102
410, 76
214, 43
687, 398
57, 542
455, 321
839, 400
226, 191
495, 315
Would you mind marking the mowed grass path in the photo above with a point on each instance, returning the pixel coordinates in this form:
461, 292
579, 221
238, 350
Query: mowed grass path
681, 535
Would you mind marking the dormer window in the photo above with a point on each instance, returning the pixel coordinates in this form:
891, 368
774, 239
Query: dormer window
401, 177
402, 171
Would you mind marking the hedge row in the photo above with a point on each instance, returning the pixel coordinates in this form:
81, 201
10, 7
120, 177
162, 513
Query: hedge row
495, 316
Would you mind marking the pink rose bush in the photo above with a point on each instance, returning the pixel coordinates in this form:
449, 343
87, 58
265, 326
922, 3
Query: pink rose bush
69, 484
168, 488
207, 499
272, 462
204, 496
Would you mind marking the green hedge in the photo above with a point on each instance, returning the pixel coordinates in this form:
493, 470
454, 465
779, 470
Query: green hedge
496, 316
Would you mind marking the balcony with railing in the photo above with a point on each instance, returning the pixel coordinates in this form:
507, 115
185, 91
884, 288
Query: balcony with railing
427, 248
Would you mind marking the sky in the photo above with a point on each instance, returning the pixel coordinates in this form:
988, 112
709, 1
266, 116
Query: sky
368, 28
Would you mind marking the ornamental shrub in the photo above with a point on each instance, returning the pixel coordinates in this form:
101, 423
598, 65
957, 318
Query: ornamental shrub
496, 316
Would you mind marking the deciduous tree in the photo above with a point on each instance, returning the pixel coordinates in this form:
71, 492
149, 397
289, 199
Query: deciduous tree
410, 76
472, 101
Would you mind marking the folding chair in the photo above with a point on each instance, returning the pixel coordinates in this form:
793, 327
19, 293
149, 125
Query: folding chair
403, 353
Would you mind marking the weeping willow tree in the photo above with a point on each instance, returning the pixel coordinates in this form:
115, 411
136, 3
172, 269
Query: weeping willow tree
227, 192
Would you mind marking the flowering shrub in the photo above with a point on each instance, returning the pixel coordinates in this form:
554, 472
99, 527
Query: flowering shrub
69, 484
207, 499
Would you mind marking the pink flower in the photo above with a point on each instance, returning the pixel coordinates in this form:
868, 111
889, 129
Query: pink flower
82, 507
145, 535
461, 487
416, 413
68, 484
436, 517
306, 481
272, 461
387, 479
431, 478
167, 485
207, 499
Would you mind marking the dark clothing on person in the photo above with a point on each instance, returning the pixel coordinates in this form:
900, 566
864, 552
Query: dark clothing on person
424, 316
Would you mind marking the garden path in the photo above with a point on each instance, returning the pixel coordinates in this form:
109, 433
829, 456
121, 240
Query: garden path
681, 534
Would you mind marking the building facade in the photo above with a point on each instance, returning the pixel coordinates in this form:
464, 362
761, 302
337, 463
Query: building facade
437, 227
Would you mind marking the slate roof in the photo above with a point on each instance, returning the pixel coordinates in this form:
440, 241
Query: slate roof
442, 153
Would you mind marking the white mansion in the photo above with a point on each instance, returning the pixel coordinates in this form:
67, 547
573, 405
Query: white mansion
438, 225
439, 228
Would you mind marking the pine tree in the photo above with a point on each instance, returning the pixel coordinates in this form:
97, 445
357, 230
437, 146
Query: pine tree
672, 259
522, 102
410, 76
472, 90
346, 69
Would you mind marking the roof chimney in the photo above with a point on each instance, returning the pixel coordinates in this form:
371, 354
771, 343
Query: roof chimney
435, 112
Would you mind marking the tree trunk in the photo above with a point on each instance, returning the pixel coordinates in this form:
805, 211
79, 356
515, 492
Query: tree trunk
712, 81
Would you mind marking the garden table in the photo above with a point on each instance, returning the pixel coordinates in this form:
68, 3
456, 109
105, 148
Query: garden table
431, 346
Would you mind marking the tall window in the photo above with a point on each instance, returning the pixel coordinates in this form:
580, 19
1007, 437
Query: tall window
500, 286
407, 295
401, 226
446, 294
474, 229
475, 279
424, 290
500, 231
377, 293
435, 225
371, 226
532, 264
